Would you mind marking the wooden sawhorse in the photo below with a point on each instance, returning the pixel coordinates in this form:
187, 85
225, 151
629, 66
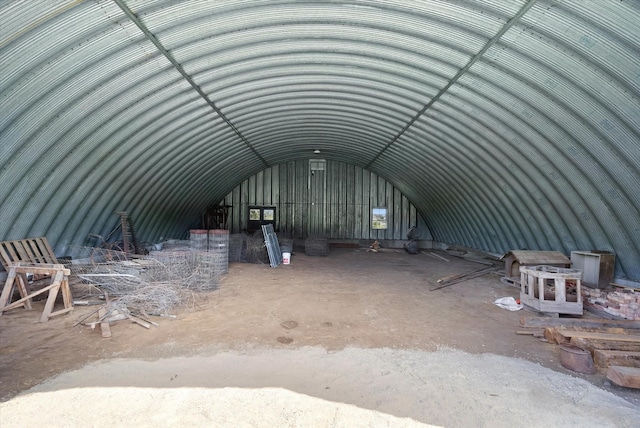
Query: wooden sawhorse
18, 277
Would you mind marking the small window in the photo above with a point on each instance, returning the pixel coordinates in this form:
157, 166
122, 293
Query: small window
379, 218
254, 214
259, 216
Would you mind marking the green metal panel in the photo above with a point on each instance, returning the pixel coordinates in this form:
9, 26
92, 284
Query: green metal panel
336, 205
508, 124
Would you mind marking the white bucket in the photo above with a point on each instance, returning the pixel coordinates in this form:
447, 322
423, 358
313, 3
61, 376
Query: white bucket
286, 258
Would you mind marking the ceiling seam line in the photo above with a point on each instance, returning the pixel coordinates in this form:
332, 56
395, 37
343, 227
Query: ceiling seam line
152, 38
492, 41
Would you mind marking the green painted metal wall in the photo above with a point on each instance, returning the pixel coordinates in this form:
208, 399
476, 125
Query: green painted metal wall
341, 208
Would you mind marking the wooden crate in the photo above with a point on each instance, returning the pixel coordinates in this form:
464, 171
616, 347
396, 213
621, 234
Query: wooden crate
535, 281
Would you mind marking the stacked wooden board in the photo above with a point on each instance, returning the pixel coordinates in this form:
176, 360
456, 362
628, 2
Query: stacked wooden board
614, 345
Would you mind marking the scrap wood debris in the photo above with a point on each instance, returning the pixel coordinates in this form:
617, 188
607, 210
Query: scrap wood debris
612, 346
435, 256
375, 247
456, 278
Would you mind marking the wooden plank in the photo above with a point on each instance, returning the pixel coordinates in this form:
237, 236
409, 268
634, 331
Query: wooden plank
11, 254
51, 299
23, 287
105, 328
551, 335
568, 334
139, 321
39, 253
592, 344
514, 281
605, 358
48, 251
577, 322
435, 256
534, 333
628, 377
540, 257
22, 249
44, 268
60, 312
7, 290
4, 255
85, 317
456, 278
67, 297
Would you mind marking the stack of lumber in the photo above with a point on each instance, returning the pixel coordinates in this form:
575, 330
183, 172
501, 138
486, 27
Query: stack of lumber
614, 344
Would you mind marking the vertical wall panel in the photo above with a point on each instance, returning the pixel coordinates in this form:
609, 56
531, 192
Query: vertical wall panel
350, 201
344, 195
358, 197
396, 224
275, 184
366, 202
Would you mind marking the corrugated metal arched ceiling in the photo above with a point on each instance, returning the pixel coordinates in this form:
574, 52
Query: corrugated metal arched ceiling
509, 124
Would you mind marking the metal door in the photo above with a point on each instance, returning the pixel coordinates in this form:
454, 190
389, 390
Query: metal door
317, 197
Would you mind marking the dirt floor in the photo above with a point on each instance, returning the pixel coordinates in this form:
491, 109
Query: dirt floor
366, 308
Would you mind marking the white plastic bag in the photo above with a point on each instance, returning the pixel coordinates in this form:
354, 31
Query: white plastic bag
508, 303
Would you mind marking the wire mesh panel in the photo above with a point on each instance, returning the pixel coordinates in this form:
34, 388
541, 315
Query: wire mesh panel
286, 244
198, 239
273, 248
316, 246
237, 247
157, 283
256, 248
219, 249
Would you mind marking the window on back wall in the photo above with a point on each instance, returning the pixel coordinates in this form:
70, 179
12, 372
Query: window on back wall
259, 215
379, 218
269, 214
254, 214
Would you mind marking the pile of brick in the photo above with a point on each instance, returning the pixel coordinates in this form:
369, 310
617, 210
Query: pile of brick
624, 303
